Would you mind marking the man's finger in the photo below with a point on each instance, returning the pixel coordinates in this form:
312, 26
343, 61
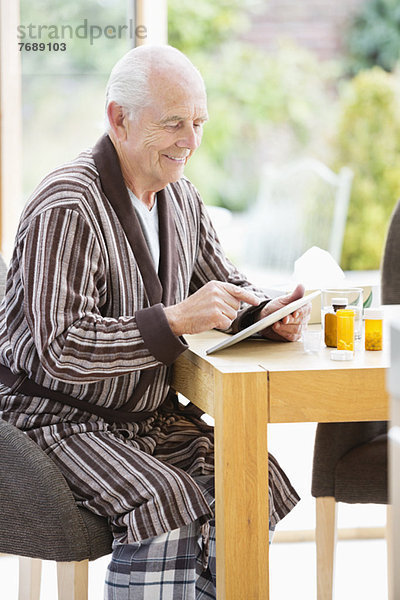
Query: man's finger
298, 315
242, 294
297, 293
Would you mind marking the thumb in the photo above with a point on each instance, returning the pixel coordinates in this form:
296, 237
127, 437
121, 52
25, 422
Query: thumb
297, 293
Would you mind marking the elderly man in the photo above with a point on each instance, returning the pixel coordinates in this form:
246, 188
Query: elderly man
116, 258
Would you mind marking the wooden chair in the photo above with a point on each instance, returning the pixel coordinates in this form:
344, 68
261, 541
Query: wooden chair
350, 465
350, 459
39, 519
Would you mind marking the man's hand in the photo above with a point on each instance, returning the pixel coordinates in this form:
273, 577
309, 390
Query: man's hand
289, 328
215, 305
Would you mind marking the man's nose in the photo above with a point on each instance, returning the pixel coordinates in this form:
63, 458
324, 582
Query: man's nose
190, 138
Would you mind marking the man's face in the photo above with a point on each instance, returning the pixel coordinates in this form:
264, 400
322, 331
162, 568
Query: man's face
162, 137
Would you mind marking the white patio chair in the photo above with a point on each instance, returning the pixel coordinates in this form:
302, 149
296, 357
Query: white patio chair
301, 205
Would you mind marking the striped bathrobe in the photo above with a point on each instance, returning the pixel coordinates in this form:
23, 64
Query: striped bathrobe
83, 315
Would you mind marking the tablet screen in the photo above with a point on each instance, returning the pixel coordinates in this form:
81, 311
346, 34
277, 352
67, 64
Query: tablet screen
263, 323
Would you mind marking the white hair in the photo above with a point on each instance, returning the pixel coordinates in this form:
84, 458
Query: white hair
128, 84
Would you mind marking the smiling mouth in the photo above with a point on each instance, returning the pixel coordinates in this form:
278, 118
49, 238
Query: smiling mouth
178, 159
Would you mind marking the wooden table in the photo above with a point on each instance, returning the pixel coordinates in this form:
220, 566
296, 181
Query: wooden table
244, 388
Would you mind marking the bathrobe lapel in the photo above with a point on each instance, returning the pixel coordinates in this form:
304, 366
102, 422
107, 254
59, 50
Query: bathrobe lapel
159, 287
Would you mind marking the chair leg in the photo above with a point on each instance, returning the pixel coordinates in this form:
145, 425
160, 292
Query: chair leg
30, 571
72, 580
325, 536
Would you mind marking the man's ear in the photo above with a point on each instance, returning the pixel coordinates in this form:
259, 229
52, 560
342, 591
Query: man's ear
116, 118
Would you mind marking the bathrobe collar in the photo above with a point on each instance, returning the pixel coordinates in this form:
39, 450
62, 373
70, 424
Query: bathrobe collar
161, 286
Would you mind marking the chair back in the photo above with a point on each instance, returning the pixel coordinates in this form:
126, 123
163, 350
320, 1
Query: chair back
347, 464
391, 260
39, 516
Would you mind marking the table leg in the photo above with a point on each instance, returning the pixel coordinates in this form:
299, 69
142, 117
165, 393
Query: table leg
241, 480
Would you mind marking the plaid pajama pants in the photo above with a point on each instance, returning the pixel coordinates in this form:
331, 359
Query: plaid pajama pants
166, 567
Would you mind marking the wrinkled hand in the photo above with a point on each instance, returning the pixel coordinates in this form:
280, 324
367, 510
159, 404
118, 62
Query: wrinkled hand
215, 305
289, 328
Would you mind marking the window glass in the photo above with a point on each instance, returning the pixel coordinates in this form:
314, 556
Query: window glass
67, 51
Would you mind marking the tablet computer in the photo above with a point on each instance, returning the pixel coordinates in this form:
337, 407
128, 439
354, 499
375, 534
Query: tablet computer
263, 323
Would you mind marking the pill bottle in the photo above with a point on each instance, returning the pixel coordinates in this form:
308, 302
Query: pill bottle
330, 325
373, 328
345, 329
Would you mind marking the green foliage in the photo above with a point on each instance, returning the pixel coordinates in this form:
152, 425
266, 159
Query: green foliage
249, 92
368, 141
203, 25
374, 36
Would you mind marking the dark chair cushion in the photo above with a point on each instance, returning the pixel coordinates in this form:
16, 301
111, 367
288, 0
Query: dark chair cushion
98, 534
333, 441
361, 475
39, 516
